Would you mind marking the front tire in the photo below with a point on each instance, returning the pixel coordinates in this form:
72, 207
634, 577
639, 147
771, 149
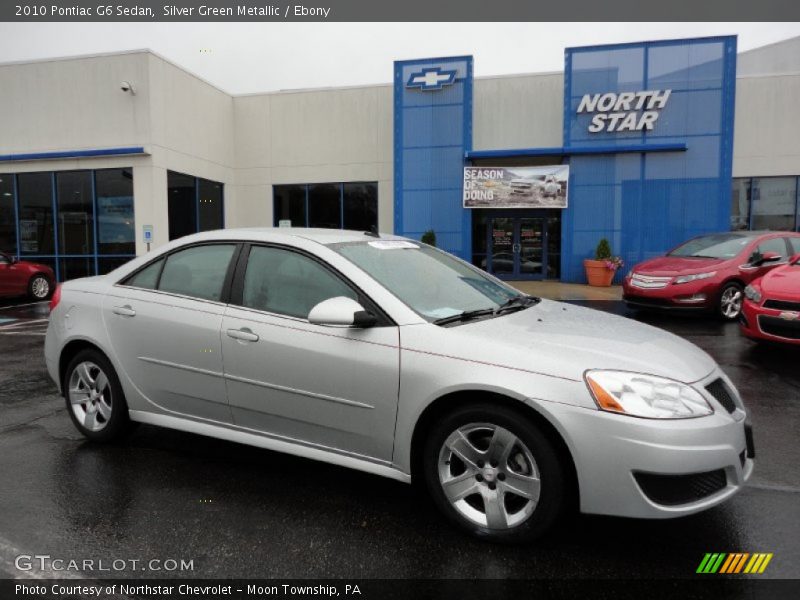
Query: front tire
95, 401
730, 301
493, 472
39, 287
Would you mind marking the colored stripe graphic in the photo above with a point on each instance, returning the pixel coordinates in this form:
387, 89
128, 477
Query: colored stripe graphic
721, 562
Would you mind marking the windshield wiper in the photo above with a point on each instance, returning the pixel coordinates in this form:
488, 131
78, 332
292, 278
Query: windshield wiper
466, 315
517, 303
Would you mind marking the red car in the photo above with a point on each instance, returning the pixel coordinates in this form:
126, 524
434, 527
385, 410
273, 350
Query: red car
708, 272
20, 278
772, 305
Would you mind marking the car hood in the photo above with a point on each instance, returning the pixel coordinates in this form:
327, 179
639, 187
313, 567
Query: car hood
677, 265
565, 340
783, 283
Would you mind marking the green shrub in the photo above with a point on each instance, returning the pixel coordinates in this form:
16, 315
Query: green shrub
429, 237
603, 251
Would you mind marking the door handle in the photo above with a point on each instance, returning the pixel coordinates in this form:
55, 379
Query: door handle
243, 334
124, 311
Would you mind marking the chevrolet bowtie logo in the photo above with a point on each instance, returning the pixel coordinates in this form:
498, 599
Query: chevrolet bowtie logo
431, 78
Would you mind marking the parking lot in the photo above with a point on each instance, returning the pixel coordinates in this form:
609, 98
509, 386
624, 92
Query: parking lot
237, 511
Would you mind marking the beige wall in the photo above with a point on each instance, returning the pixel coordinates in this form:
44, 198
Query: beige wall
74, 104
767, 131
520, 111
313, 136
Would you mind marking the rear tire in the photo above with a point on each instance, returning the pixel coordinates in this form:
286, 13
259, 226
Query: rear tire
94, 397
494, 473
731, 298
39, 287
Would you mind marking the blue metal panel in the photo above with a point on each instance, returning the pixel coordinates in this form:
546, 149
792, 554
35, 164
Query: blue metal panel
72, 154
432, 133
648, 202
568, 151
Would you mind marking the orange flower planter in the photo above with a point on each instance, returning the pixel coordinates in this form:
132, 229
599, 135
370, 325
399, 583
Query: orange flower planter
597, 273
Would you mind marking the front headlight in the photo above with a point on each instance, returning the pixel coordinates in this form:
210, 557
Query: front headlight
695, 277
752, 293
646, 396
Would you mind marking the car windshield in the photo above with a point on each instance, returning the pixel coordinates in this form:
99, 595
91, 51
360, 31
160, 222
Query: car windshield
429, 281
720, 245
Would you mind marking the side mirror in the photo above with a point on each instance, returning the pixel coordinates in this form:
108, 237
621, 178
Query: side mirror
341, 312
767, 257
795, 259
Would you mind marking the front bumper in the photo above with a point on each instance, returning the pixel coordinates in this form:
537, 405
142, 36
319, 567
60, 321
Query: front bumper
612, 451
751, 325
692, 296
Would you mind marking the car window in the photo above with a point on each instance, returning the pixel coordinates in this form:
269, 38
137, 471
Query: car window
285, 282
718, 245
4, 259
795, 242
147, 277
777, 245
198, 271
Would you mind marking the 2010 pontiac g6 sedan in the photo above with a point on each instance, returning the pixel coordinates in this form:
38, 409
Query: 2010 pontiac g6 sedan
389, 356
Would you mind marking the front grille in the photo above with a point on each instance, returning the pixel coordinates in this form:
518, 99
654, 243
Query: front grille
779, 327
672, 490
782, 305
722, 394
649, 283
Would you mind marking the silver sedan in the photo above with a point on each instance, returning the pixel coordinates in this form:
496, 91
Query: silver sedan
382, 354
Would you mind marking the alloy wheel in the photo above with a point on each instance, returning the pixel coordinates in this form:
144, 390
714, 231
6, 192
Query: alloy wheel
40, 287
90, 396
489, 476
731, 302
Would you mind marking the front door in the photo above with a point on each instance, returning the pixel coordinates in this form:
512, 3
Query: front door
516, 247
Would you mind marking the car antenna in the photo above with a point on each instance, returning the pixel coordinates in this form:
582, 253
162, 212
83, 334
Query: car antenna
373, 232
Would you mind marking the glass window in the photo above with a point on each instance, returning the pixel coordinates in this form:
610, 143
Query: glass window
74, 268
795, 244
147, 278
288, 283
198, 272
106, 265
116, 233
290, 204
75, 215
722, 245
182, 205
35, 193
774, 203
324, 206
360, 206
776, 245
8, 217
429, 281
740, 204
209, 204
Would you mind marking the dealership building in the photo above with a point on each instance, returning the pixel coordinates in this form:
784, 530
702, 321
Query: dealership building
105, 156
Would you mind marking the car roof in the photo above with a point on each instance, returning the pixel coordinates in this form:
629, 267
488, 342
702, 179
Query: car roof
286, 234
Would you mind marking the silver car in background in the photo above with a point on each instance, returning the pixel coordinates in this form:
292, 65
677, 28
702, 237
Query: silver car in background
382, 354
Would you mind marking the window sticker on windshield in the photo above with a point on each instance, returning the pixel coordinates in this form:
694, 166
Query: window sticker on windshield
393, 245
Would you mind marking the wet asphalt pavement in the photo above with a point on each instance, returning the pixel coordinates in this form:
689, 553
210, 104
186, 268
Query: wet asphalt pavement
237, 511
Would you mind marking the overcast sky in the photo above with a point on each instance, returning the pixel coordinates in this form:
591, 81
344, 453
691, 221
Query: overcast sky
256, 57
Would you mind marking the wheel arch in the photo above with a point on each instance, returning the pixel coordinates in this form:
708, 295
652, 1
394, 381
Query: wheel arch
441, 405
69, 351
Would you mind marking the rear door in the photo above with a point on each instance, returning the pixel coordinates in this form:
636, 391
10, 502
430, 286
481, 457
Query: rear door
164, 325
328, 386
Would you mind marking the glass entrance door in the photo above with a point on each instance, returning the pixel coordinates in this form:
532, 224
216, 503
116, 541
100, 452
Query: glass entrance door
517, 247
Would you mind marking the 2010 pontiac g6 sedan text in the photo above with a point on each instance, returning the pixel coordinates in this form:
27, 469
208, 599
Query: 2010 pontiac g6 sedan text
386, 355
